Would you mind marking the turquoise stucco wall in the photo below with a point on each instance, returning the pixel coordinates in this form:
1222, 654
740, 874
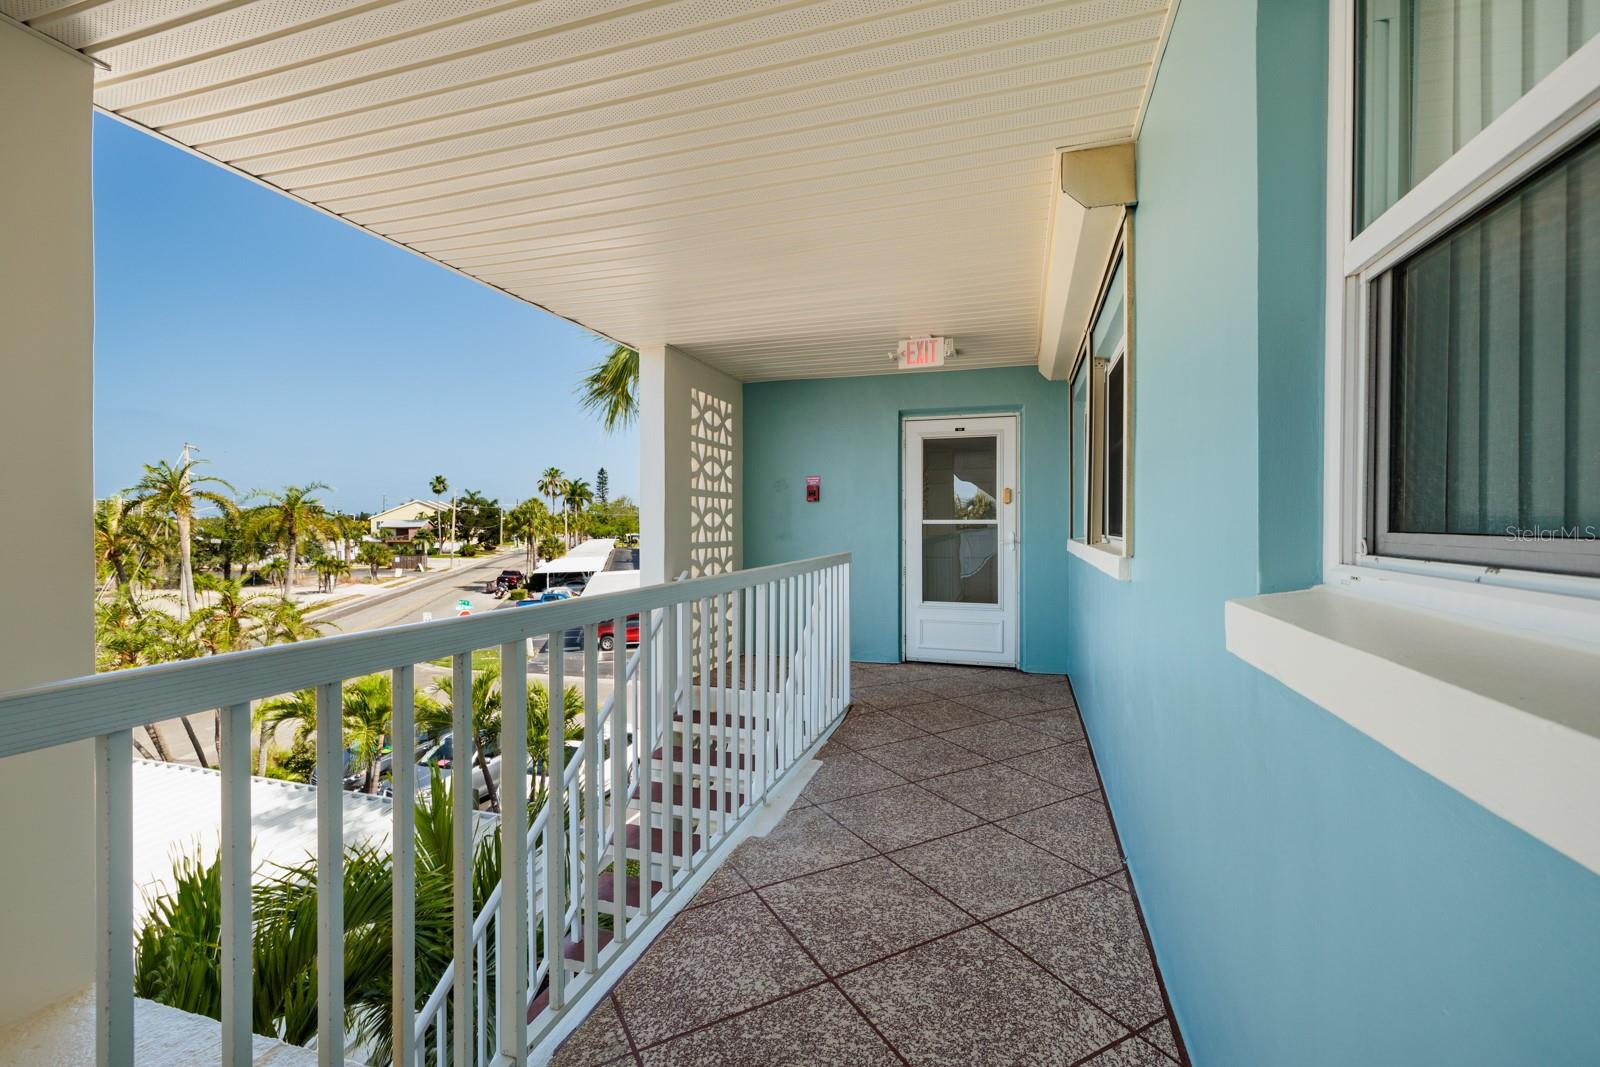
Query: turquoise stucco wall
848, 431
1313, 899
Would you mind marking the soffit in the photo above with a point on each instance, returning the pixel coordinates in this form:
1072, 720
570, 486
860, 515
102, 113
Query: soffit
780, 189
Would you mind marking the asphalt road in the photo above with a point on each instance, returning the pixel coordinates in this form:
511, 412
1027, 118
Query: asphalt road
441, 599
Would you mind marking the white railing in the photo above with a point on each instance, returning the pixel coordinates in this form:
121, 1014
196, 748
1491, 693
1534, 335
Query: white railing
735, 681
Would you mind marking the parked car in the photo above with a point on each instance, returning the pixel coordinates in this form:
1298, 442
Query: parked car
509, 579
442, 755
607, 633
560, 592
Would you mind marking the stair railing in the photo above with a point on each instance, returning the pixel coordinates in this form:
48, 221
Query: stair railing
709, 718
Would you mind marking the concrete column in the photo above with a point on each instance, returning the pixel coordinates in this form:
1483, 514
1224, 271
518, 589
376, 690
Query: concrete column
691, 463
47, 836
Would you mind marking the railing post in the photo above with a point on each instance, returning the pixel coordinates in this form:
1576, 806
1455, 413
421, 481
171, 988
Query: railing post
845, 695
762, 704
620, 765
403, 783
234, 862
463, 801
593, 814
330, 876
646, 746
555, 837
114, 899
511, 951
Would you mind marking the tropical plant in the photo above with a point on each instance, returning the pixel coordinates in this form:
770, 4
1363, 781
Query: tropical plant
530, 521
368, 705
329, 570
168, 493
551, 546
230, 619
611, 388
123, 545
376, 555
436, 716
550, 484
288, 516
539, 723
440, 486
178, 962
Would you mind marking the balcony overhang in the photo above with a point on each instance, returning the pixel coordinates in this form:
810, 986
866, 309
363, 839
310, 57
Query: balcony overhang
778, 190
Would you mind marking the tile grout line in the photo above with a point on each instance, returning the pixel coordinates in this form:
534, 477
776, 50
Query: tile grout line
830, 978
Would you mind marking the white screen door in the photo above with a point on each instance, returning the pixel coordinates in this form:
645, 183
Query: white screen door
960, 530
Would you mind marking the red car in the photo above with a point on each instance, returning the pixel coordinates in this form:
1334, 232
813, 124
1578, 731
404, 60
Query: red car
607, 632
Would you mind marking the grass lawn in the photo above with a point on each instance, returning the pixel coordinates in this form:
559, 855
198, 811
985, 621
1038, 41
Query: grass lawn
482, 659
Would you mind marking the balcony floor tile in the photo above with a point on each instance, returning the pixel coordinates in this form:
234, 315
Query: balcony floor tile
846, 775
850, 916
816, 1026
600, 1040
805, 841
1077, 830
1091, 939
905, 815
970, 998
926, 756
995, 791
988, 871
1069, 766
887, 923
940, 716
710, 962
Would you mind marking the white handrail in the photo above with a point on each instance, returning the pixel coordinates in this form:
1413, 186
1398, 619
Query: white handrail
735, 680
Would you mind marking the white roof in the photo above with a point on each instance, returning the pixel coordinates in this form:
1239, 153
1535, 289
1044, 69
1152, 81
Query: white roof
781, 190
585, 558
612, 582
177, 809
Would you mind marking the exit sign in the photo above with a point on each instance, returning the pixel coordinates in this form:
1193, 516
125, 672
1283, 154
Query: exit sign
918, 352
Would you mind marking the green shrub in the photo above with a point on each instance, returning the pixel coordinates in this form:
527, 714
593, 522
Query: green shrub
518, 593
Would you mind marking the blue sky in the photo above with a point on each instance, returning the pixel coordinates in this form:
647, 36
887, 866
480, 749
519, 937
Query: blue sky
292, 348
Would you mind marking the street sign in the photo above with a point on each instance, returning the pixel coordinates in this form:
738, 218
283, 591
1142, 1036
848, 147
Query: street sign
464, 604
427, 616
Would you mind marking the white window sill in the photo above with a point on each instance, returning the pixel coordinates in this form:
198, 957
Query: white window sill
1102, 559
1510, 720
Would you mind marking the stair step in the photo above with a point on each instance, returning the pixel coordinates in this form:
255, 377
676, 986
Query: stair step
716, 719
721, 800
607, 888
573, 950
658, 841
726, 760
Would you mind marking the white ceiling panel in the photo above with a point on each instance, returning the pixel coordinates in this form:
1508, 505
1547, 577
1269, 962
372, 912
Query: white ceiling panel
781, 188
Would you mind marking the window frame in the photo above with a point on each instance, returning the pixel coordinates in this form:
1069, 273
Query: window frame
1109, 553
1551, 117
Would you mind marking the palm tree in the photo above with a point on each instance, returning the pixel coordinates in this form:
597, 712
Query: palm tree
122, 545
375, 554
168, 492
234, 619
550, 484
578, 496
329, 570
435, 715
440, 485
289, 516
368, 705
539, 724
611, 388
